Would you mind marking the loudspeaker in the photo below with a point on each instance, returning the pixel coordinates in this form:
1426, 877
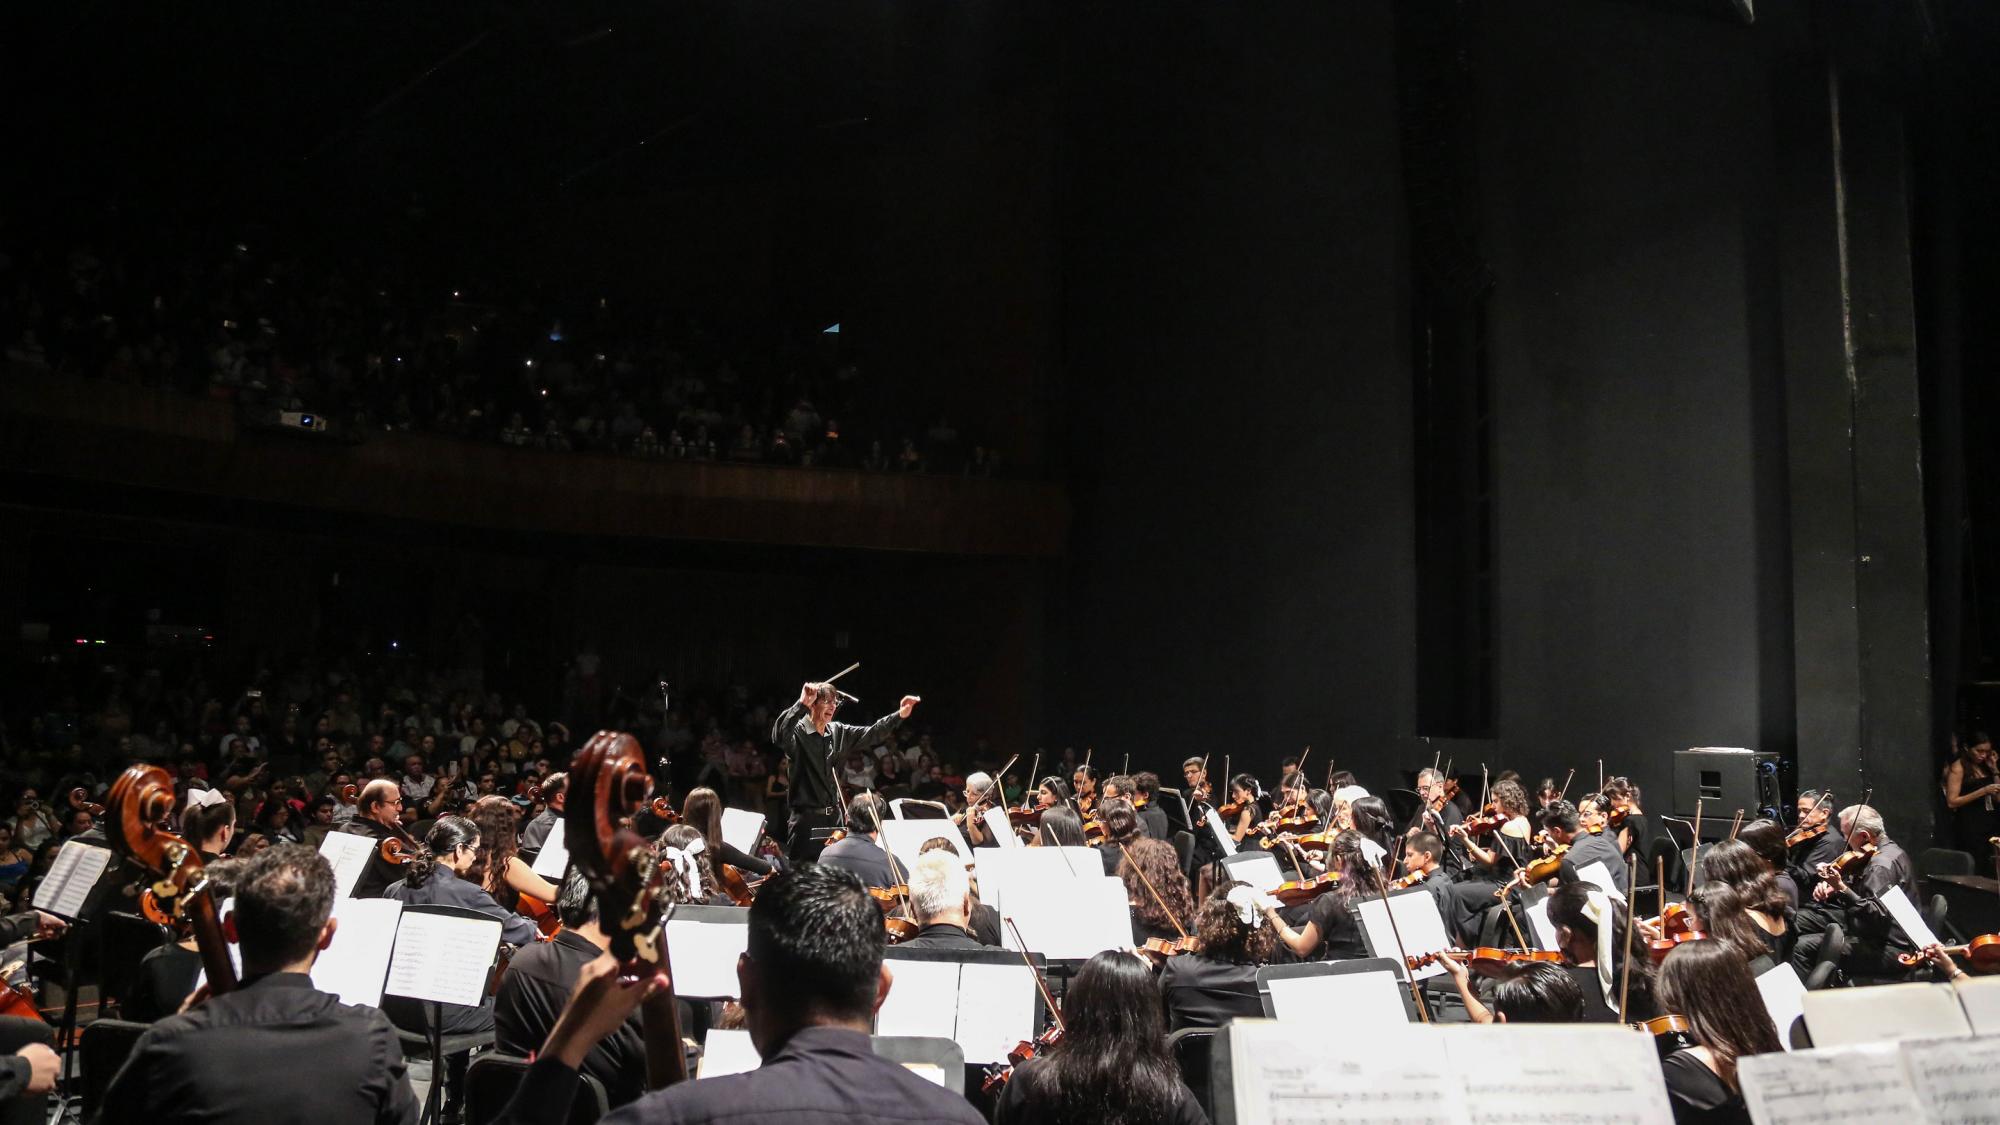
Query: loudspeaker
1725, 779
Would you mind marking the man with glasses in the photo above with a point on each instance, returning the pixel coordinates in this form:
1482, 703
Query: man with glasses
807, 734
378, 815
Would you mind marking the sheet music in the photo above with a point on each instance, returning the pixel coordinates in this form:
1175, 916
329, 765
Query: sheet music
1259, 869
1784, 997
996, 1010
905, 839
1000, 828
1222, 838
554, 856
1905, 914
1980, 997
1534, 1073
1539, 926
702, 955
1364, 999
438, 957
76, 869
727, 1052
1957, 1080
356, 965
1395, 1078
348, 854
1417, 921
1070, 921
741, 829
916, 1001
1884, 1013
1848, 1086
1598, 875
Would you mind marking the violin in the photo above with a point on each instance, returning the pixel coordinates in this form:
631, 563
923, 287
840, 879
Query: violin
1158, 949
889, 898
15, 1000
1490, 961
1407, 880
1485, 822
143, 799
1296, 891
1615, 819
1658, 948
608, 781
1670, 1033
1982, 953
997, 1075
1805, 835
1537, 870
1850, 863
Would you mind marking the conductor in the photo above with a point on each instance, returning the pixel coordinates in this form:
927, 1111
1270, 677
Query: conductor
807, 733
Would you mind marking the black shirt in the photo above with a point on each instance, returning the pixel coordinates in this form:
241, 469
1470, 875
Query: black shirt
1698, 1095
813, 753
820, 1074
1153, 821
863, 857
1594, 847
1012, 1106
941, 935
275, 1051
535, 833
986, 924
446, 888
380, 872
1201, 991
1339, 925
532, 994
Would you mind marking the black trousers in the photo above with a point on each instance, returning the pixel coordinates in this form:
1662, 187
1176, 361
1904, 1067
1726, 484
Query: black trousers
807, 835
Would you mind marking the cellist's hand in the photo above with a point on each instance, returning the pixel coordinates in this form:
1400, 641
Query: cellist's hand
599, 1005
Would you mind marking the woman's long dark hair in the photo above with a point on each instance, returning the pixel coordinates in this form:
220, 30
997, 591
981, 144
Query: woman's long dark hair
673, 888
1121, 823
1737, 863
1057, 786
448, 835
1061, 827
1723, 912
1709, 983
1113, 1067
703, 809
1226, 937
499, 823
1371, 820
1161, 867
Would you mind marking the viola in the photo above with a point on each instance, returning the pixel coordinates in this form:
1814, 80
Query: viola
997, 1076
1159, 949
1491, 961
1537, 870
1982, 953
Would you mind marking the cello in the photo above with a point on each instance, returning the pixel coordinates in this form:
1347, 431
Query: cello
609, 782
141, 801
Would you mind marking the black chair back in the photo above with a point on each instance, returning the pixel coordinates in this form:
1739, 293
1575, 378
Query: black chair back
105, 1047
1192, 1048
1945, 861
492, 1078
1184, 848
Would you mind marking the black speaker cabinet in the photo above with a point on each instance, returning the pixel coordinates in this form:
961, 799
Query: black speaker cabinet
1725, 780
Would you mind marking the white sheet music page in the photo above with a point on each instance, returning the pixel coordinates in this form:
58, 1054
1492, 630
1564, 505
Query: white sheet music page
1070, 921
1957, 1080
1599, 876
1000, 828
1846, 1086
1418, 923
1980, 997
1260, 871
1221, 832
442, 958
922, 1000
348, 854
905, 839
554, 856
1543, 930
1519, 1074
727, 1052
1884, 1013
741, 828
1364, 999
996, 1011
701, 956
1397, 1077
1900, 908
1784, 996
76, 869
356, 965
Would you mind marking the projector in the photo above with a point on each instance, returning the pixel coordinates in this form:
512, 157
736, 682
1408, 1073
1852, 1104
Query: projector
299, 420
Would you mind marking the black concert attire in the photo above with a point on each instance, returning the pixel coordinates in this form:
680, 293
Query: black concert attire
1597, 1009
820, 1074
532, 994
1474, 891
863, 857
274, 1051
1175, 810
815, 801
1438, 822
1153, 822
1873, 938
986, 924
1975, 824
1109, 855
1009, 1109
1594, 847
1637, 829
446, 888
726, 852
1339, 922
379, 872
1697, 1094
16, 1104
1202, 991
166, 977
535, 833
941, 935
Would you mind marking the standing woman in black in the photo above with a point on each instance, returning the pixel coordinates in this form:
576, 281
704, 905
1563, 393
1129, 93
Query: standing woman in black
1112, 1066
1972, 792
1708, 984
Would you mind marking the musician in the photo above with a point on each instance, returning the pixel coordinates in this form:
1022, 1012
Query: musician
1160, 819
540, 979
1112, 1063
941, 899
1370, 819
275, 1050
210, 822
1491, 864
811, 980
435, 876
1766, 838
1060, 828
984, 921
702, 808
1582, 828
499, 868
1590, 931
694, 876
806, 734
1724, 912
1331, 929
555, 796
1815, 809
1873, 937
1052, 793
1210, 987
1532, 993
1633, 830
979, 792
1149, 860
1084, 783
1437, 813
1972, 791
379, 816
1423, 856
1195, 772
1707, 983
1121, 826
1758, 916
861, 851
1245, 793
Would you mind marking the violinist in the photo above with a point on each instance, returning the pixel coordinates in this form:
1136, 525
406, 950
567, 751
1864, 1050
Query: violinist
1328, 928
1723, 913
435, 876
1084, 783
1492, 860
1590, 933
275, 1040
1537, 992
1580, 829
1854, 899
1194, 771
1630, 827
540, 978
980, 792
1369, 817
1819, 844
1060, 828
861, 851
1121, 826
1758, 915
1218, 982
1245, 807
1437, 813
806, 734
1148, 868
379, 816
1160, 820
702, 809
1053, 792
1708, 984
812, 978
941, 899
1766, 839
498, 868
555, 795
1423, 859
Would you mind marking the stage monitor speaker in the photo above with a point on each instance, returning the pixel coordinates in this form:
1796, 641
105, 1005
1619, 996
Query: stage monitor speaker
1725, 779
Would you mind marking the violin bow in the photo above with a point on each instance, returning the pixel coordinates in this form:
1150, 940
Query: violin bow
1736, 825
1041, 982
1154, 891
1631, 908
1402, 954
1032, 771
1485, 787
1600, 775
895, 871
1566, 780
1300, 769
1125, 767
1694, 853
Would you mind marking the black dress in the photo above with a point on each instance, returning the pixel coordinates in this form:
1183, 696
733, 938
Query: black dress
1698, 1096
1201, 991
1978, 822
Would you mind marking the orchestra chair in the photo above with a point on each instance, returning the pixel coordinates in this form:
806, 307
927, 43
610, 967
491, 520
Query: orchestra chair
431, 1044
492, 1078
1945, 861
925, 1051
105, 1047
1831, 950
1184, 850
127, 940
1193, 1048
1935, 915
1268, 973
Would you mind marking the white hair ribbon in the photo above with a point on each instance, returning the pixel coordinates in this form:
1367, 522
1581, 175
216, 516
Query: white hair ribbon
202, 798
1597, 908
684, 866
1250, 904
